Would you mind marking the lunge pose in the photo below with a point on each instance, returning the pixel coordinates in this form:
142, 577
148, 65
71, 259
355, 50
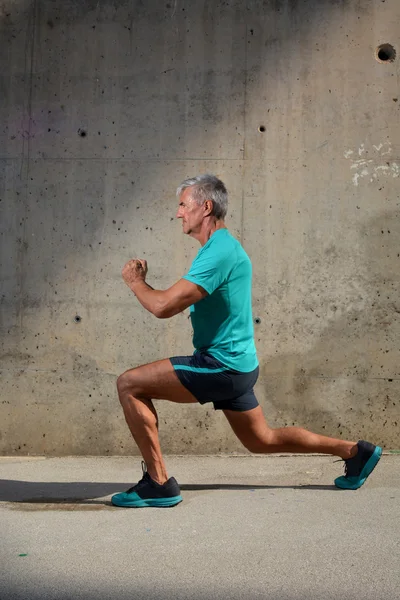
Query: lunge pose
224, 367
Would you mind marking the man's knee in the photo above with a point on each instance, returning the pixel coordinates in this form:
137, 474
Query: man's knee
127, 382
255, 446
259, 443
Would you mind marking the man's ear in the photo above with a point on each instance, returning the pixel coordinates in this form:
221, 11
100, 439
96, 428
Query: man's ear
208, 207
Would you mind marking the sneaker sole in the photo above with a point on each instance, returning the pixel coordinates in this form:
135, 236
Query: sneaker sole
346, 483
152, 502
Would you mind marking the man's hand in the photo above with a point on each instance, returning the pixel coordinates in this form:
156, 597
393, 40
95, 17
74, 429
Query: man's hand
135, 270
162, 304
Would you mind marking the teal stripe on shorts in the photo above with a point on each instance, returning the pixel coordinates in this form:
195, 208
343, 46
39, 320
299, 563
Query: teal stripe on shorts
198, 369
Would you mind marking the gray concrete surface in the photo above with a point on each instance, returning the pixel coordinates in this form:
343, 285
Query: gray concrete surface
105, 106
249, 527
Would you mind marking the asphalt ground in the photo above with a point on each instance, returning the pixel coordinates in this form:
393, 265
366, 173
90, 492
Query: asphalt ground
271, 527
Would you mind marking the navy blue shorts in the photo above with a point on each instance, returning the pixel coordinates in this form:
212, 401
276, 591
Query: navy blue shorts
211, 381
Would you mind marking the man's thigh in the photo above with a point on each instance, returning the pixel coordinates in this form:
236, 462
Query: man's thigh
156, 380
249, 426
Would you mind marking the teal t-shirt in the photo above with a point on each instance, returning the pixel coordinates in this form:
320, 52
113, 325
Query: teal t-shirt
222, 321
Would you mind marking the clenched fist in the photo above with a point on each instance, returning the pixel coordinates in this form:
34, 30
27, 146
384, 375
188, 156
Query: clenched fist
134, 270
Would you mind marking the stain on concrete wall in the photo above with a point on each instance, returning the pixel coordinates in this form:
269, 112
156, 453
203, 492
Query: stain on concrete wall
105, 107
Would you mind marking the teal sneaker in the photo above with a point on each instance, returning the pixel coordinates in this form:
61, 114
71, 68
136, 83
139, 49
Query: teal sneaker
360, 466
148, 492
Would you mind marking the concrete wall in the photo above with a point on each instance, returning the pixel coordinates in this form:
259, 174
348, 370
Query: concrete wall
105, 107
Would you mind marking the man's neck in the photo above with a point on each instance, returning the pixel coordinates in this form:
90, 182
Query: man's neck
206, 232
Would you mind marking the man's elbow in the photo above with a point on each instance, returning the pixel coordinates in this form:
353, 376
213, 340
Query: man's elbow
165, 312
162, 312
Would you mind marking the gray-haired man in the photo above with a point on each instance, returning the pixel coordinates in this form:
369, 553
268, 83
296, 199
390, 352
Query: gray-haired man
224, 366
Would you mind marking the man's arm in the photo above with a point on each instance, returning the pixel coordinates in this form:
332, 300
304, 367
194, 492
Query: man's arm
168, 303
161, 303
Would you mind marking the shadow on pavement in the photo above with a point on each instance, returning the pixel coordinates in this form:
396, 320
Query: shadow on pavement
62, 492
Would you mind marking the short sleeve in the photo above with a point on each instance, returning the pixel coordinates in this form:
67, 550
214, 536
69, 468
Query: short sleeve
210, 270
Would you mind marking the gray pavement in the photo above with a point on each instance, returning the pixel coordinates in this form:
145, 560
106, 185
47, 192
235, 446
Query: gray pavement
249, 527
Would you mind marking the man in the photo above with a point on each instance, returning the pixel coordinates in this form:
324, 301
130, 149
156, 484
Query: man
224, 367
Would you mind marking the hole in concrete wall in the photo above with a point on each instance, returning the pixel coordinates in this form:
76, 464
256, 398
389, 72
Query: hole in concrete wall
385, 53
261, 129
82, 132
257, 320
77, 319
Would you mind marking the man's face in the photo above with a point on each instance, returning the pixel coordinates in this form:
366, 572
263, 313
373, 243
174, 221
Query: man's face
190, 212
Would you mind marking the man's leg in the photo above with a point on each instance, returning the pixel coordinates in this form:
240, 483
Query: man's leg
253, 431
251, 428
136, 388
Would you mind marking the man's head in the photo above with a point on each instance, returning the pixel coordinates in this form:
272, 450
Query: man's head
201, 198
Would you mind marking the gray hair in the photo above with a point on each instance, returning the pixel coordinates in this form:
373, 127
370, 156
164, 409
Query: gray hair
207, 187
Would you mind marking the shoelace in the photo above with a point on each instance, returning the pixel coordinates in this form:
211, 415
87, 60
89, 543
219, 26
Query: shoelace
142, 482
345, 464
350, 469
